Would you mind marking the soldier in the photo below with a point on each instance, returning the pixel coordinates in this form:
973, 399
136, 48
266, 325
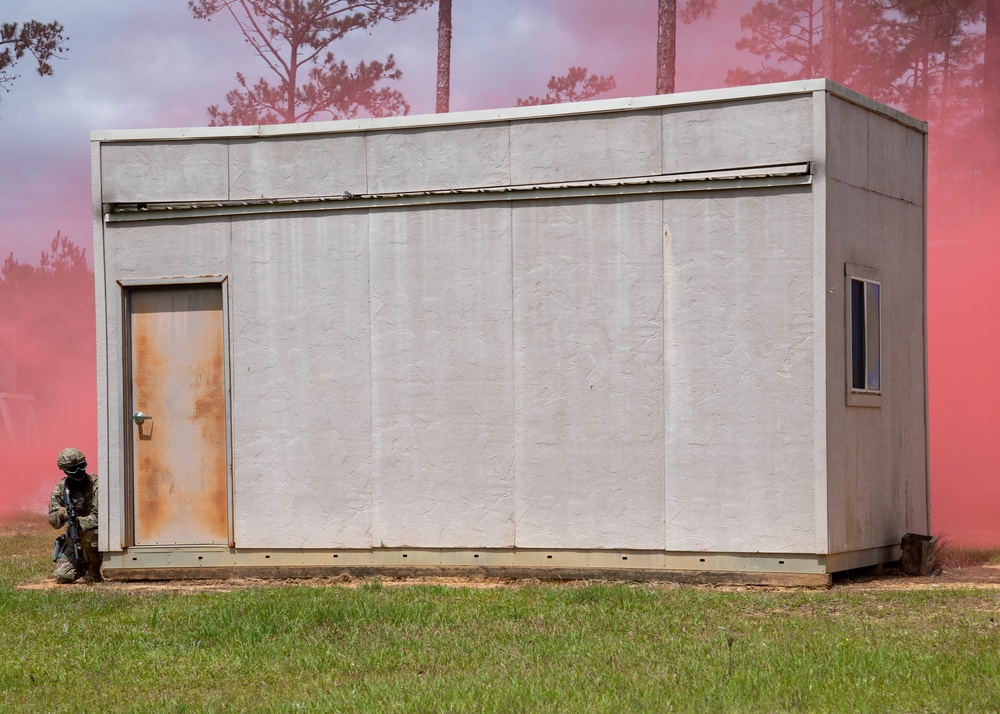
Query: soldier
82, 493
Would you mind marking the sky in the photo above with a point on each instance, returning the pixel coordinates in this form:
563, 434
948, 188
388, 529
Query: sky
150, 64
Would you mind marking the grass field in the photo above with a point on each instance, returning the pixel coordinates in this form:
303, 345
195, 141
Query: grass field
375, 647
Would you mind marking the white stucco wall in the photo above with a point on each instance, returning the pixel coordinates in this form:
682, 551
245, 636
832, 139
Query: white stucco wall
588, 351
878, 472
442, 393
739, 331
613, 372
301, 409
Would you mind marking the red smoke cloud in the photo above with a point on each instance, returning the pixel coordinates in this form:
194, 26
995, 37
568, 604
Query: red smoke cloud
48, 368
963, 267
964, 346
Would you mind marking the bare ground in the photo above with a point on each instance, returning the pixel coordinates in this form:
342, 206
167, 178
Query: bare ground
958, 569
976, 576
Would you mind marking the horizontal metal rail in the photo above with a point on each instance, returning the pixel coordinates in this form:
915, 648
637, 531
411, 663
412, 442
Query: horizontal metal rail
755, 177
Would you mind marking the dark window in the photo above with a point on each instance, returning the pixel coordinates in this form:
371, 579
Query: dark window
866, 348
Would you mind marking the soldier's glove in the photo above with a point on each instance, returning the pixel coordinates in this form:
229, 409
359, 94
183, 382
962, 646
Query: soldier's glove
58, 518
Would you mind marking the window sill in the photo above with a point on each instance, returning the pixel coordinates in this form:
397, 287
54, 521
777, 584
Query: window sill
864, 399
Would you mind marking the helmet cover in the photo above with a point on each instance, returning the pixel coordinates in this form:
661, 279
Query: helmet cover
68, 458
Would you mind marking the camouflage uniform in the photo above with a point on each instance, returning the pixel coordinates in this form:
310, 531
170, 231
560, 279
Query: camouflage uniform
83, 494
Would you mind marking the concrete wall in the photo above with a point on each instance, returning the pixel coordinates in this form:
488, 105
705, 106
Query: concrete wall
738, 277
750, 132
620, 372
878, 479
301, 386
588, 359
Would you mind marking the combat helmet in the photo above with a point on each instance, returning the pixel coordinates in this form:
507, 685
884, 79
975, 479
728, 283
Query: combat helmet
73, 462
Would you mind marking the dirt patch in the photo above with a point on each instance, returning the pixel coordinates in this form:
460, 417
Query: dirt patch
982, 576
979, 569
234, 584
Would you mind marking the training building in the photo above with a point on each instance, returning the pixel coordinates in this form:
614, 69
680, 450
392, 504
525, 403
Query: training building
680, 336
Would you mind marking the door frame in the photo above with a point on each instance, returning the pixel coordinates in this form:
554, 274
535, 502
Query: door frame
125, 476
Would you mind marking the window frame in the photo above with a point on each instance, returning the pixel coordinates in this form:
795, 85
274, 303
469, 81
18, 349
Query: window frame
862, 397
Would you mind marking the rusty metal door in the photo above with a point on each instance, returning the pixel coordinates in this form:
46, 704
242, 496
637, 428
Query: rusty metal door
177, 416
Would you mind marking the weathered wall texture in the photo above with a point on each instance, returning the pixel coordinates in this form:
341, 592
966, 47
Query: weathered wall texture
588, 351
755, 132
170, 171
875, 215
615, 372
301, 409
442, 393
739, 397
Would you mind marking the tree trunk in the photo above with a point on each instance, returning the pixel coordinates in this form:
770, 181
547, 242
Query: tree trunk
944, 104
828, 46
444, 56
991, 68
293, 66
666, 46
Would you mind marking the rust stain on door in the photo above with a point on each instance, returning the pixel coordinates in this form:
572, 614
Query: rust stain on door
210, 416
151, 471
180, 475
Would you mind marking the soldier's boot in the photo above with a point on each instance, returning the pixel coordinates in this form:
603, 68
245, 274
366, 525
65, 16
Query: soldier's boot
92, 559
64, 572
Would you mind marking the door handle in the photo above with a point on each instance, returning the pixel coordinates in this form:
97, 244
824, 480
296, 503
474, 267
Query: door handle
139, 418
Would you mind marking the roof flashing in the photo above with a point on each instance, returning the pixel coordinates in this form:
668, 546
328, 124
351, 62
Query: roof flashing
482, 116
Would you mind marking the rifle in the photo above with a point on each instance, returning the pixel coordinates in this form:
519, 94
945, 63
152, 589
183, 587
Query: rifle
72, 534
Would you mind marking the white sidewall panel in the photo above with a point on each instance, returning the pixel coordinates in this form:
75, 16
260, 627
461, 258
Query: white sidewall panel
301, 418
442, 404
147, 253
751, 133
172, 171
588, 350
739, 375
575, 149
453, 157
297, 166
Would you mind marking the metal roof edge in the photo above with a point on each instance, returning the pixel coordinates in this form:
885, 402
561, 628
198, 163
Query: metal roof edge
482, 116
863, 100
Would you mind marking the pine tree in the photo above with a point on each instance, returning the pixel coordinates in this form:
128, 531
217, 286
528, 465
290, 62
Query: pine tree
574, 86
293, 38
43, 41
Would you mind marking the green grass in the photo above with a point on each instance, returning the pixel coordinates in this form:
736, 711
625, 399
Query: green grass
538, 647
